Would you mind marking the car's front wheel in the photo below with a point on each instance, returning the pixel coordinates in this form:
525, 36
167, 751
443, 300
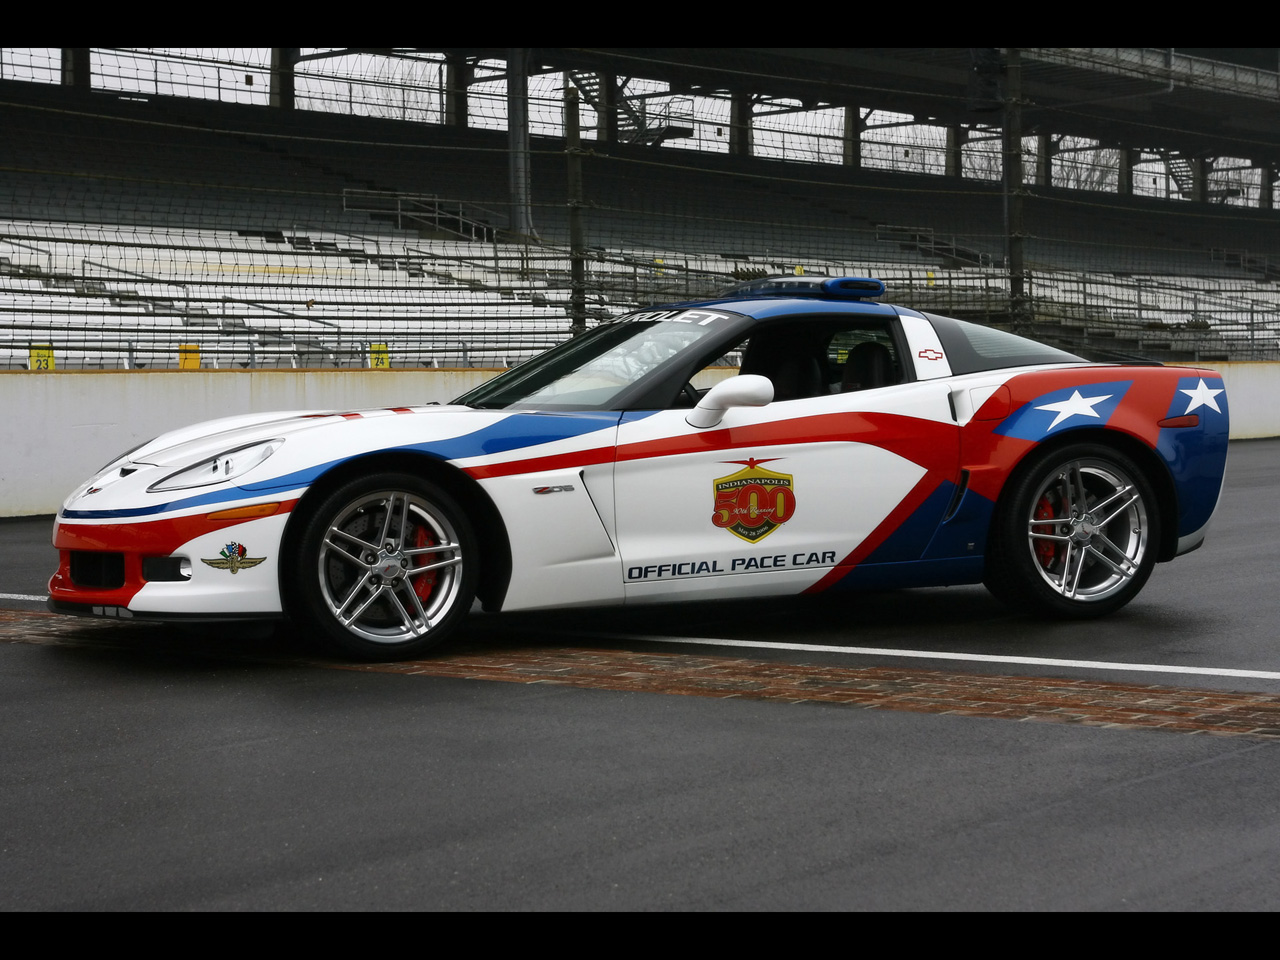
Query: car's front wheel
1078, 533
386, 568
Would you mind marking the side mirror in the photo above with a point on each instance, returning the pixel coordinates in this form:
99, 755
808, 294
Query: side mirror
744, 390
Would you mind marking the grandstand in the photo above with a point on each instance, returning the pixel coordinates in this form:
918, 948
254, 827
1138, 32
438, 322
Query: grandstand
352, 215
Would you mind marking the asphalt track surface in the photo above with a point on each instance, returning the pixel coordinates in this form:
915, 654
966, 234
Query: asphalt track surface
905, 751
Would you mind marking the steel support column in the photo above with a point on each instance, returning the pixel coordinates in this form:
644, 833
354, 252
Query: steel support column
518, 141
458, 74
957, 136
1267, 185
577, 235
75, 67
740, 126
1128, 159
283, 62
607, 111
1200, 168
854, 124
1014, 188
1044, 160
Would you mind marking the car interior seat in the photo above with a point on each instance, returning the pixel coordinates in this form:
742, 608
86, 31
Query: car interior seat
794, 371
869, 365
797, 376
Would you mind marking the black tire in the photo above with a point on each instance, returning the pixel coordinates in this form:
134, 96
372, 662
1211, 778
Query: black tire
1076, 535
386, 568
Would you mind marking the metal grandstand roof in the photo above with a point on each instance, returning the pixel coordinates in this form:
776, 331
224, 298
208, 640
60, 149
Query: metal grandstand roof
1148, 98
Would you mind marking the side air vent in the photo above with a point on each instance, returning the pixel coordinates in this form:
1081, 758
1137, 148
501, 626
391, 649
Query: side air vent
166, 569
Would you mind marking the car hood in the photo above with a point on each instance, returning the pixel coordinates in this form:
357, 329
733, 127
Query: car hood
315, 441
193, 443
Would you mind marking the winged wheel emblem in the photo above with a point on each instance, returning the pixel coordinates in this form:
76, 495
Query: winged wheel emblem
233, 557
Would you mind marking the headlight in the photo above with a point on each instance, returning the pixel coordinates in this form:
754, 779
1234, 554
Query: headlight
225, 466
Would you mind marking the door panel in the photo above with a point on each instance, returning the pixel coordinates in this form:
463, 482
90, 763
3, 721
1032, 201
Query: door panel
775, 497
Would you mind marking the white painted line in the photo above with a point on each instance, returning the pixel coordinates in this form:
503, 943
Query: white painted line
22, 596
938, 655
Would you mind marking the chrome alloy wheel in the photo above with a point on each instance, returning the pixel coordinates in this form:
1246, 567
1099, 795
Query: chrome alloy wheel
390, 566
1088, 531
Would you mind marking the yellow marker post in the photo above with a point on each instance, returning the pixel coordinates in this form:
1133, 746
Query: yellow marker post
379, 356
40, 357
188, 356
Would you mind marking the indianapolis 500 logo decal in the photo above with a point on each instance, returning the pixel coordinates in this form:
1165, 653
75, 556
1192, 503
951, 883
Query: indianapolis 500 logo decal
753, 502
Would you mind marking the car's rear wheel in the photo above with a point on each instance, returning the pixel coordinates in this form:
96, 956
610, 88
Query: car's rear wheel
387, 568
1078, 533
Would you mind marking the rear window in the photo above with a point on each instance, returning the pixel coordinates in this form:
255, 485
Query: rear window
972, 348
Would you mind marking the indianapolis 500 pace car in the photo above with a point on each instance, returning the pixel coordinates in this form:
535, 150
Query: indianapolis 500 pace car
794, 436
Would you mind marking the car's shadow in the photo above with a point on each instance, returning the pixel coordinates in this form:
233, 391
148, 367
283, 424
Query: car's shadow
955, 619
844, 612
965, 619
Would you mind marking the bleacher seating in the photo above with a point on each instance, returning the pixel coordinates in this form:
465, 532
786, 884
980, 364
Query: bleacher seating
133, 295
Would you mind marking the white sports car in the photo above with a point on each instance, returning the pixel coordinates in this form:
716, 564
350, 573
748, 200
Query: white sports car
794, 436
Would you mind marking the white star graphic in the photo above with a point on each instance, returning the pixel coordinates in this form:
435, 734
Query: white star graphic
1074, 405
1201, 396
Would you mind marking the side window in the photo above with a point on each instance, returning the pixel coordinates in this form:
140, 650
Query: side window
812, 357
726, 365
792, 356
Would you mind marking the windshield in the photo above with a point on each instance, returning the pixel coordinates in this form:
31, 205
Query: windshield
596, 370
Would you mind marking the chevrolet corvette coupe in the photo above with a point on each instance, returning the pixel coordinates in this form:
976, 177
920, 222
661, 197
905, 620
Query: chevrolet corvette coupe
794, 436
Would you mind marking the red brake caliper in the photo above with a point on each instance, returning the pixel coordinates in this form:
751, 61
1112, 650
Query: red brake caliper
1046, 550
423, 583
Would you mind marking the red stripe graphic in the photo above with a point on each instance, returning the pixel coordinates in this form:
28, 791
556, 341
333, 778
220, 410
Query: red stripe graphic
925, 442
921, 492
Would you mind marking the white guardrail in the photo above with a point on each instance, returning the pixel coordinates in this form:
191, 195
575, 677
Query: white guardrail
60, 426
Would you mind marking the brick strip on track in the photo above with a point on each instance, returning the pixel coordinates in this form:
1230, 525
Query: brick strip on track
1035, 699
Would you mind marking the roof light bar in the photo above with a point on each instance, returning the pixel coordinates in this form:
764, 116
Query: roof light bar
842, 288
853, 287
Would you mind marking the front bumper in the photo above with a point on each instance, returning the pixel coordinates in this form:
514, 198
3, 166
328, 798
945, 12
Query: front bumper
188, 568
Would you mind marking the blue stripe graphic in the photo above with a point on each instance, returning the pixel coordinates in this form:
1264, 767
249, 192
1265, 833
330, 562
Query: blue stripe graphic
515, 432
